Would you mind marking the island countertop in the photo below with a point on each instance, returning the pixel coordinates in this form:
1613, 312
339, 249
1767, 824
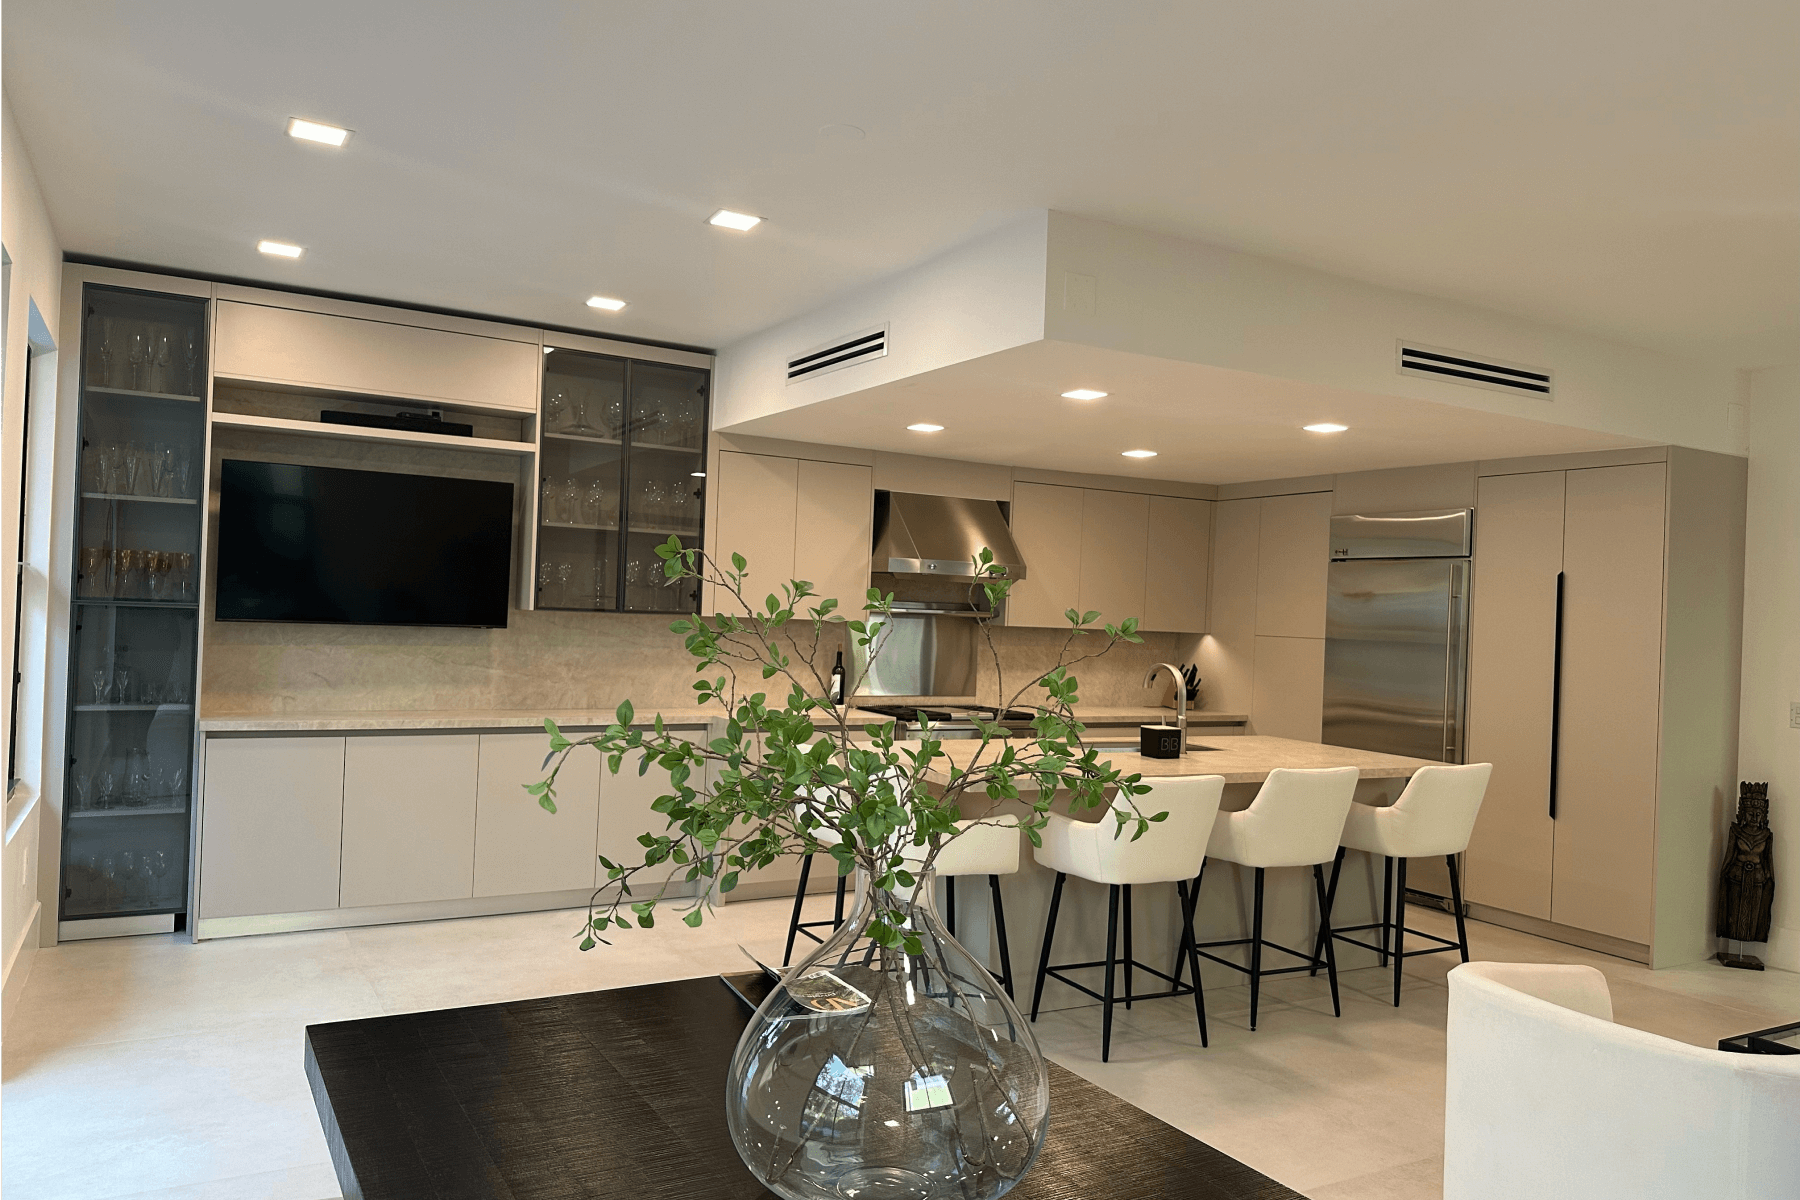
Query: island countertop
1245, 758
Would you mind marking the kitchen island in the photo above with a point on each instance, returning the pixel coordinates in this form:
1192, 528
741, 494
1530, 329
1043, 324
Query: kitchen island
1290, 914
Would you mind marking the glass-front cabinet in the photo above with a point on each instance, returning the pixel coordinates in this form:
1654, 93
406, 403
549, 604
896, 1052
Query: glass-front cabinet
129, 775
622, 466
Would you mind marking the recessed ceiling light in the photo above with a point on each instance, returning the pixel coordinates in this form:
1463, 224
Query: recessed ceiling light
1138, 453
280, 249
926, 427
1084, 394
1325, 427
605, 302
316, 131
742, 222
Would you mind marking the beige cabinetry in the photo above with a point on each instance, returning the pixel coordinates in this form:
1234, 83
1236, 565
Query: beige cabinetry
519, 847
1121, 554
374, 358
626, 813
1599, 817
794, 519
1293, 557
272, 825
409, 818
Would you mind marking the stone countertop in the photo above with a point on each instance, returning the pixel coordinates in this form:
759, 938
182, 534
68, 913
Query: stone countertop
390, 721
1243, 759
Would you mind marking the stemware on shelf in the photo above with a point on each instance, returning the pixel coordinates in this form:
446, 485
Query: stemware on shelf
136, 359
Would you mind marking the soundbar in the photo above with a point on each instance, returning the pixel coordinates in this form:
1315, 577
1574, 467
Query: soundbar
410, 422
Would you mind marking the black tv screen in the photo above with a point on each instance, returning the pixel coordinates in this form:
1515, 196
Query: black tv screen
329, 546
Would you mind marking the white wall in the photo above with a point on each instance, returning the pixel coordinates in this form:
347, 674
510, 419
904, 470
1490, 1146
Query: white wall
1768, 748
35, 292
1173, 298
983, 296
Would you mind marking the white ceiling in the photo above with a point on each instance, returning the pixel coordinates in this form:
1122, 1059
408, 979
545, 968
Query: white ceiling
1207, 424
1627, 167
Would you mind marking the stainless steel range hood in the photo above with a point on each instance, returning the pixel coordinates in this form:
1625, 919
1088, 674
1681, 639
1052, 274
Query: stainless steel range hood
939, 536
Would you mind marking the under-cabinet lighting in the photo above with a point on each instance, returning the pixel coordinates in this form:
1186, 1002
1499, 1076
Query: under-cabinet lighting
605, 302
1084, 394
549, 349
317, 131
280, 249
698, 474
742, 222
1138, 453
1325, 427
926, 427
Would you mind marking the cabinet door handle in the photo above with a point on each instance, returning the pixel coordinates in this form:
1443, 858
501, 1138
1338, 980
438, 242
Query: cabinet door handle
1556, 697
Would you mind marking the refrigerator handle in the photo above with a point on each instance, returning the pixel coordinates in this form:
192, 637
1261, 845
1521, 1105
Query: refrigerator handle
1556, 697
1456, 663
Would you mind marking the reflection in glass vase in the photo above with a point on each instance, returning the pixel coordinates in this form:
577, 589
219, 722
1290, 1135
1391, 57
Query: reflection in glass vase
873, 1072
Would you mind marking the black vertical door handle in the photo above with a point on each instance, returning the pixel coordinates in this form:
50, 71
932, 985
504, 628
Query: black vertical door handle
1556, 697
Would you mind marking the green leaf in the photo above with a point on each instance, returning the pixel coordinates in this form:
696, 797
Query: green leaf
738, 562
587, 943
693, 919
625, 713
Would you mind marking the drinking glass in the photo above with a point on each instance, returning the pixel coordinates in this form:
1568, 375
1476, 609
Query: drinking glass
84, 788
134, 463
184, 474
593, 502
138, 777
184, 575
94, 561
121, 575
556, 412
162, 464
106, 354
568, 502
615, 417
178, 783
100, 678
135, 356
581, 419
107, 784
193, 362
602, 583
121, 685
157, 863
160, 361
109, 877
565, 571
547, 503
546, 570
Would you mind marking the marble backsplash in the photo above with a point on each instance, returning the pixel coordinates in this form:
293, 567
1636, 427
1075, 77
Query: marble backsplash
563, 661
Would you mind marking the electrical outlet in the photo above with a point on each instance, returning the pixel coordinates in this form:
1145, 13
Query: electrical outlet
1794, 715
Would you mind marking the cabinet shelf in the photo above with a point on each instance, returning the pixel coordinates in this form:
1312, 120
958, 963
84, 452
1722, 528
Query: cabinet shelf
178, 808
573, 525
583, 437
134, 708
690, 531
666, 449
139, 499
103, 601
137, 394
360, 433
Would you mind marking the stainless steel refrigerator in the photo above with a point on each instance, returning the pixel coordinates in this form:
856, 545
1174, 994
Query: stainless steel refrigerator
1397, 641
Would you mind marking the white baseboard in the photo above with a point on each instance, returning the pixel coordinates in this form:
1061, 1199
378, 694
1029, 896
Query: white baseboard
1782, 951
110, 927
1550, 930
398, 914
19, 958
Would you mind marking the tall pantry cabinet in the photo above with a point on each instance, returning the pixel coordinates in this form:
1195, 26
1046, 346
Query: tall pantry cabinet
1605, 622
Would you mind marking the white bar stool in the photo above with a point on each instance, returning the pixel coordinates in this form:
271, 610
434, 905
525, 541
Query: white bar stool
1434, 815
987, 846
1171, 851
1295, 821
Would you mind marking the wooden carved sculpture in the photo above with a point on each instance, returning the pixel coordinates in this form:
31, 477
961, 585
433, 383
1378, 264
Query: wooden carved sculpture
1747, 879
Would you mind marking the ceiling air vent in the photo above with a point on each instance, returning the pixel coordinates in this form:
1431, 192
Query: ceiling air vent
839, 353
1434, 362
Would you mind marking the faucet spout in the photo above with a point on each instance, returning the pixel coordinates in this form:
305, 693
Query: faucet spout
1180, 697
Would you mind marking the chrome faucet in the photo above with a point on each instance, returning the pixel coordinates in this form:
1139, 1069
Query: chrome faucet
1180, 697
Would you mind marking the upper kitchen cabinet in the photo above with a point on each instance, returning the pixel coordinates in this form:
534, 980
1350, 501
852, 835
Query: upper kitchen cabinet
794, 519
1122, 554
288, 347
1604, 637
621, 468
1293, 551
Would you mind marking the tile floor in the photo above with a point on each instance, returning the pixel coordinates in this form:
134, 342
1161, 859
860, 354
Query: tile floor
149, 1067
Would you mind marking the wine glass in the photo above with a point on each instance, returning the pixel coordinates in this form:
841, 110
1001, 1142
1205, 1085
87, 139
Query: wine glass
556, 412
106, 353
138, 777
100, 677
178, 784
547, 502
193, 362
615, 417
136, 355
84, 790
109, 875
546, 570
122, 685
569, 502
107, 785
160, 361
565, 571
156, 863
593, 503
184, 474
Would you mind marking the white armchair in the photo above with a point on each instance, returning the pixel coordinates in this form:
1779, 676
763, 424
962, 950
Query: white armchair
1546, 1097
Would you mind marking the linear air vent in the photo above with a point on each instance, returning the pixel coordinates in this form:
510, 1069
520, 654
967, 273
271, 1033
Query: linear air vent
1453, 366
839, 353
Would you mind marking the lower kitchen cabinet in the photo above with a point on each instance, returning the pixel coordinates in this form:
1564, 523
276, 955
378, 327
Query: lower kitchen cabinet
272, 825
625, 813
409, 818
519, 847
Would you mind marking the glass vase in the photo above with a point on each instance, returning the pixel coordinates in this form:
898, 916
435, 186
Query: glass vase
871, 1073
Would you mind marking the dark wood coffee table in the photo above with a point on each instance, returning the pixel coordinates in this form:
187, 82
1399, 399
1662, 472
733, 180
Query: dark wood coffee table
621, 1094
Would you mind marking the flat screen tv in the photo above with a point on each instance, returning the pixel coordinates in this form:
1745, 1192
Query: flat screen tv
324, 545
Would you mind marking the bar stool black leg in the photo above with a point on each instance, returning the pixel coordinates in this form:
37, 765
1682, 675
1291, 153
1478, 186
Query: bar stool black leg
1128, 947
1399, 928
1337, 1009
1387, 906
837, 912
1112, 946
1037, 992
950, 904
1256, 945
1006, 979
1462, 932
1337, 864
787, 955
1191, 902
1190, 956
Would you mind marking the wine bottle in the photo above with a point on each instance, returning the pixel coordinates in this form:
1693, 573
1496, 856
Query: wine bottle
836, 687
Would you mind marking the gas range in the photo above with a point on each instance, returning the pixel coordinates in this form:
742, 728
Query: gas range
951, 720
